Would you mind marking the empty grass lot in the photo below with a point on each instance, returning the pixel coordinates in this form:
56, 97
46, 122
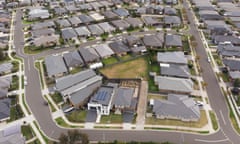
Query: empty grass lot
130, 69
111, 119
202, 122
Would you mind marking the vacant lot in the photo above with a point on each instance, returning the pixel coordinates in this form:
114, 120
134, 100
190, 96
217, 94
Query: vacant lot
131, 69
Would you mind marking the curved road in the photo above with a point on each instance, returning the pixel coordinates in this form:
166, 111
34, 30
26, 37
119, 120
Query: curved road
34, 98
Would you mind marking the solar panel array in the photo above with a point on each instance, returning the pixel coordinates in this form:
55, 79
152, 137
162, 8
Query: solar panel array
102, 95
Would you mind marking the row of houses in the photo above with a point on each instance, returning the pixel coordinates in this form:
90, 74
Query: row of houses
5, 20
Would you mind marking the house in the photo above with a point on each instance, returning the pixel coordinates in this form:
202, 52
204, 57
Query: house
134, 22
86, 19
171, 2
68, 34
83, 31
43, 25
151, 21
96, 16
12, 135
78, 87
131, 40
218, 39
151, 9
60, 11
120, 24
174, 70
75, 21
104, 50
96, 5
119, 48
42, 32
45, 41
170, 11
95, 30
179, 107
72, 9
85, 7
172, 58
174, 85
121, 12
5, 68
5, 105
110, 15
172, 21
232, 65
217, 27
102, 100
106, 27
73, 59
228, 50
154, 41
63, 23
173, 41
38, 13
89, 55
209, 15
55, 66
124, 100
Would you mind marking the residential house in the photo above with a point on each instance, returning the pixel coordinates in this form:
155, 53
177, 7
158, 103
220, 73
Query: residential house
86, 19
68, 34
12, 135
89, 55
104, 51
220, 39
60, 11
83, 31
217, 27
121, 12
72, 9
120, 24
63, 23
179, 107
172, 21
232, 65
95, 30
106, 27
73, 59
5, 68
42, 32
55, 66
228, 50
151, 21
154, 41
134, 22
38, 13
174, 70
75, 21
119, 48
173, 41
209, 15
110, 15
43, 25
170, 11
45, 41
172, 58
96, 16
5, 105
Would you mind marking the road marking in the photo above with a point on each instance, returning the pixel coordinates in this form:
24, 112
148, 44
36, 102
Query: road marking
211, 141
182, 137
28, 65
224, 122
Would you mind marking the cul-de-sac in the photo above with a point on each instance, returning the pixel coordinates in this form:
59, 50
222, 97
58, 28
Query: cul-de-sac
119, 71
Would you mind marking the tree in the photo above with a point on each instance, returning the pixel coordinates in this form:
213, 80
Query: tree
236, 83
73, 137
2, 55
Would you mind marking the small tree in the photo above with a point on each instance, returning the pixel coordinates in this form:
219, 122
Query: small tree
236, 83
73, 137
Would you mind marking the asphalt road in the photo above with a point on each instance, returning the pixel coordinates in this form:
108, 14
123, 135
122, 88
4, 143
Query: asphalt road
43, 115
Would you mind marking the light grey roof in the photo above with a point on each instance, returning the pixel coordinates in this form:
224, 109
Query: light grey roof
72, 8
5, 67
103, 95
38, 13
120, 24
223, 38
234, 74
95, 29
73, 59
228, 50
12, 135
175, 70
171, 57
88, 55
82, 31
43, 32
106, 3
109, 14
135, 22
104, 50
121, 12
5, 82
5, 105
3, 92
60, 10
74, 20
70, 80
177, 106
63, 23
173, 40
172, 20
174, 84
68, 33
85, 6
123, 97
170, 11
234, 65
106, 27
118, 47
96, 5
84, 93
55, 65
148, 20
42, 25
154, 40
45, 40
85, 18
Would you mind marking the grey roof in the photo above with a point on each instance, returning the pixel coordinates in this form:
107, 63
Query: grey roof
173, 40
3, 92
72, 8
109, 14
123, 97
148, 20
233, 65
121, 12
60, 10
74, 20
172, 20
68, 33
223, 38
217, 25
45, 40
95, 29
175, 70
71, 80
177, 106
120, 24
5, 67
135, 22
42, 25
82, 31
88, 55
38, 13
234, 74
104, 50
63, 23
12, 135
228, 50
170, 11
55, 65
84, 93
171, 57
5, 82
210, 15
73, 59
174, 84
85, 6
43, 32
103, 95
85, 18
138, 49
118, 47
5, 105
154, 40
106, 27
106, 3
96, 5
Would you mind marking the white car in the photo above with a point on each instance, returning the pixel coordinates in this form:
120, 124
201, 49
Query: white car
208, 59
25, 83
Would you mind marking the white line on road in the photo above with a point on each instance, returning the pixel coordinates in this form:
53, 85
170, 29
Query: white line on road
211, 141
222, 117
182, 137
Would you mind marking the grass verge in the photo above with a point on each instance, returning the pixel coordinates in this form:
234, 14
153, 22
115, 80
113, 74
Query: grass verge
214, 120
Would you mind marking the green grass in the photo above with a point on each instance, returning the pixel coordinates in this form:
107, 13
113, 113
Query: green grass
91, 38
76, 70
186, 46
15, 66
225, 77
57, 98
15, 83
38, 66
25, 105
35, 142
26, 22
214, 120
109, 61
27, 132
15, 113
111, 119
50, 104
77, 116
35, 50
217, 60
151, 85
22, 77
61, 122
125, 57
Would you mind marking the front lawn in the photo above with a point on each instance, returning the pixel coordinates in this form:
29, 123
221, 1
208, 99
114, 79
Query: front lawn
77, 116
15, 83
57, 98
109, 61
111, 119
27, 132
